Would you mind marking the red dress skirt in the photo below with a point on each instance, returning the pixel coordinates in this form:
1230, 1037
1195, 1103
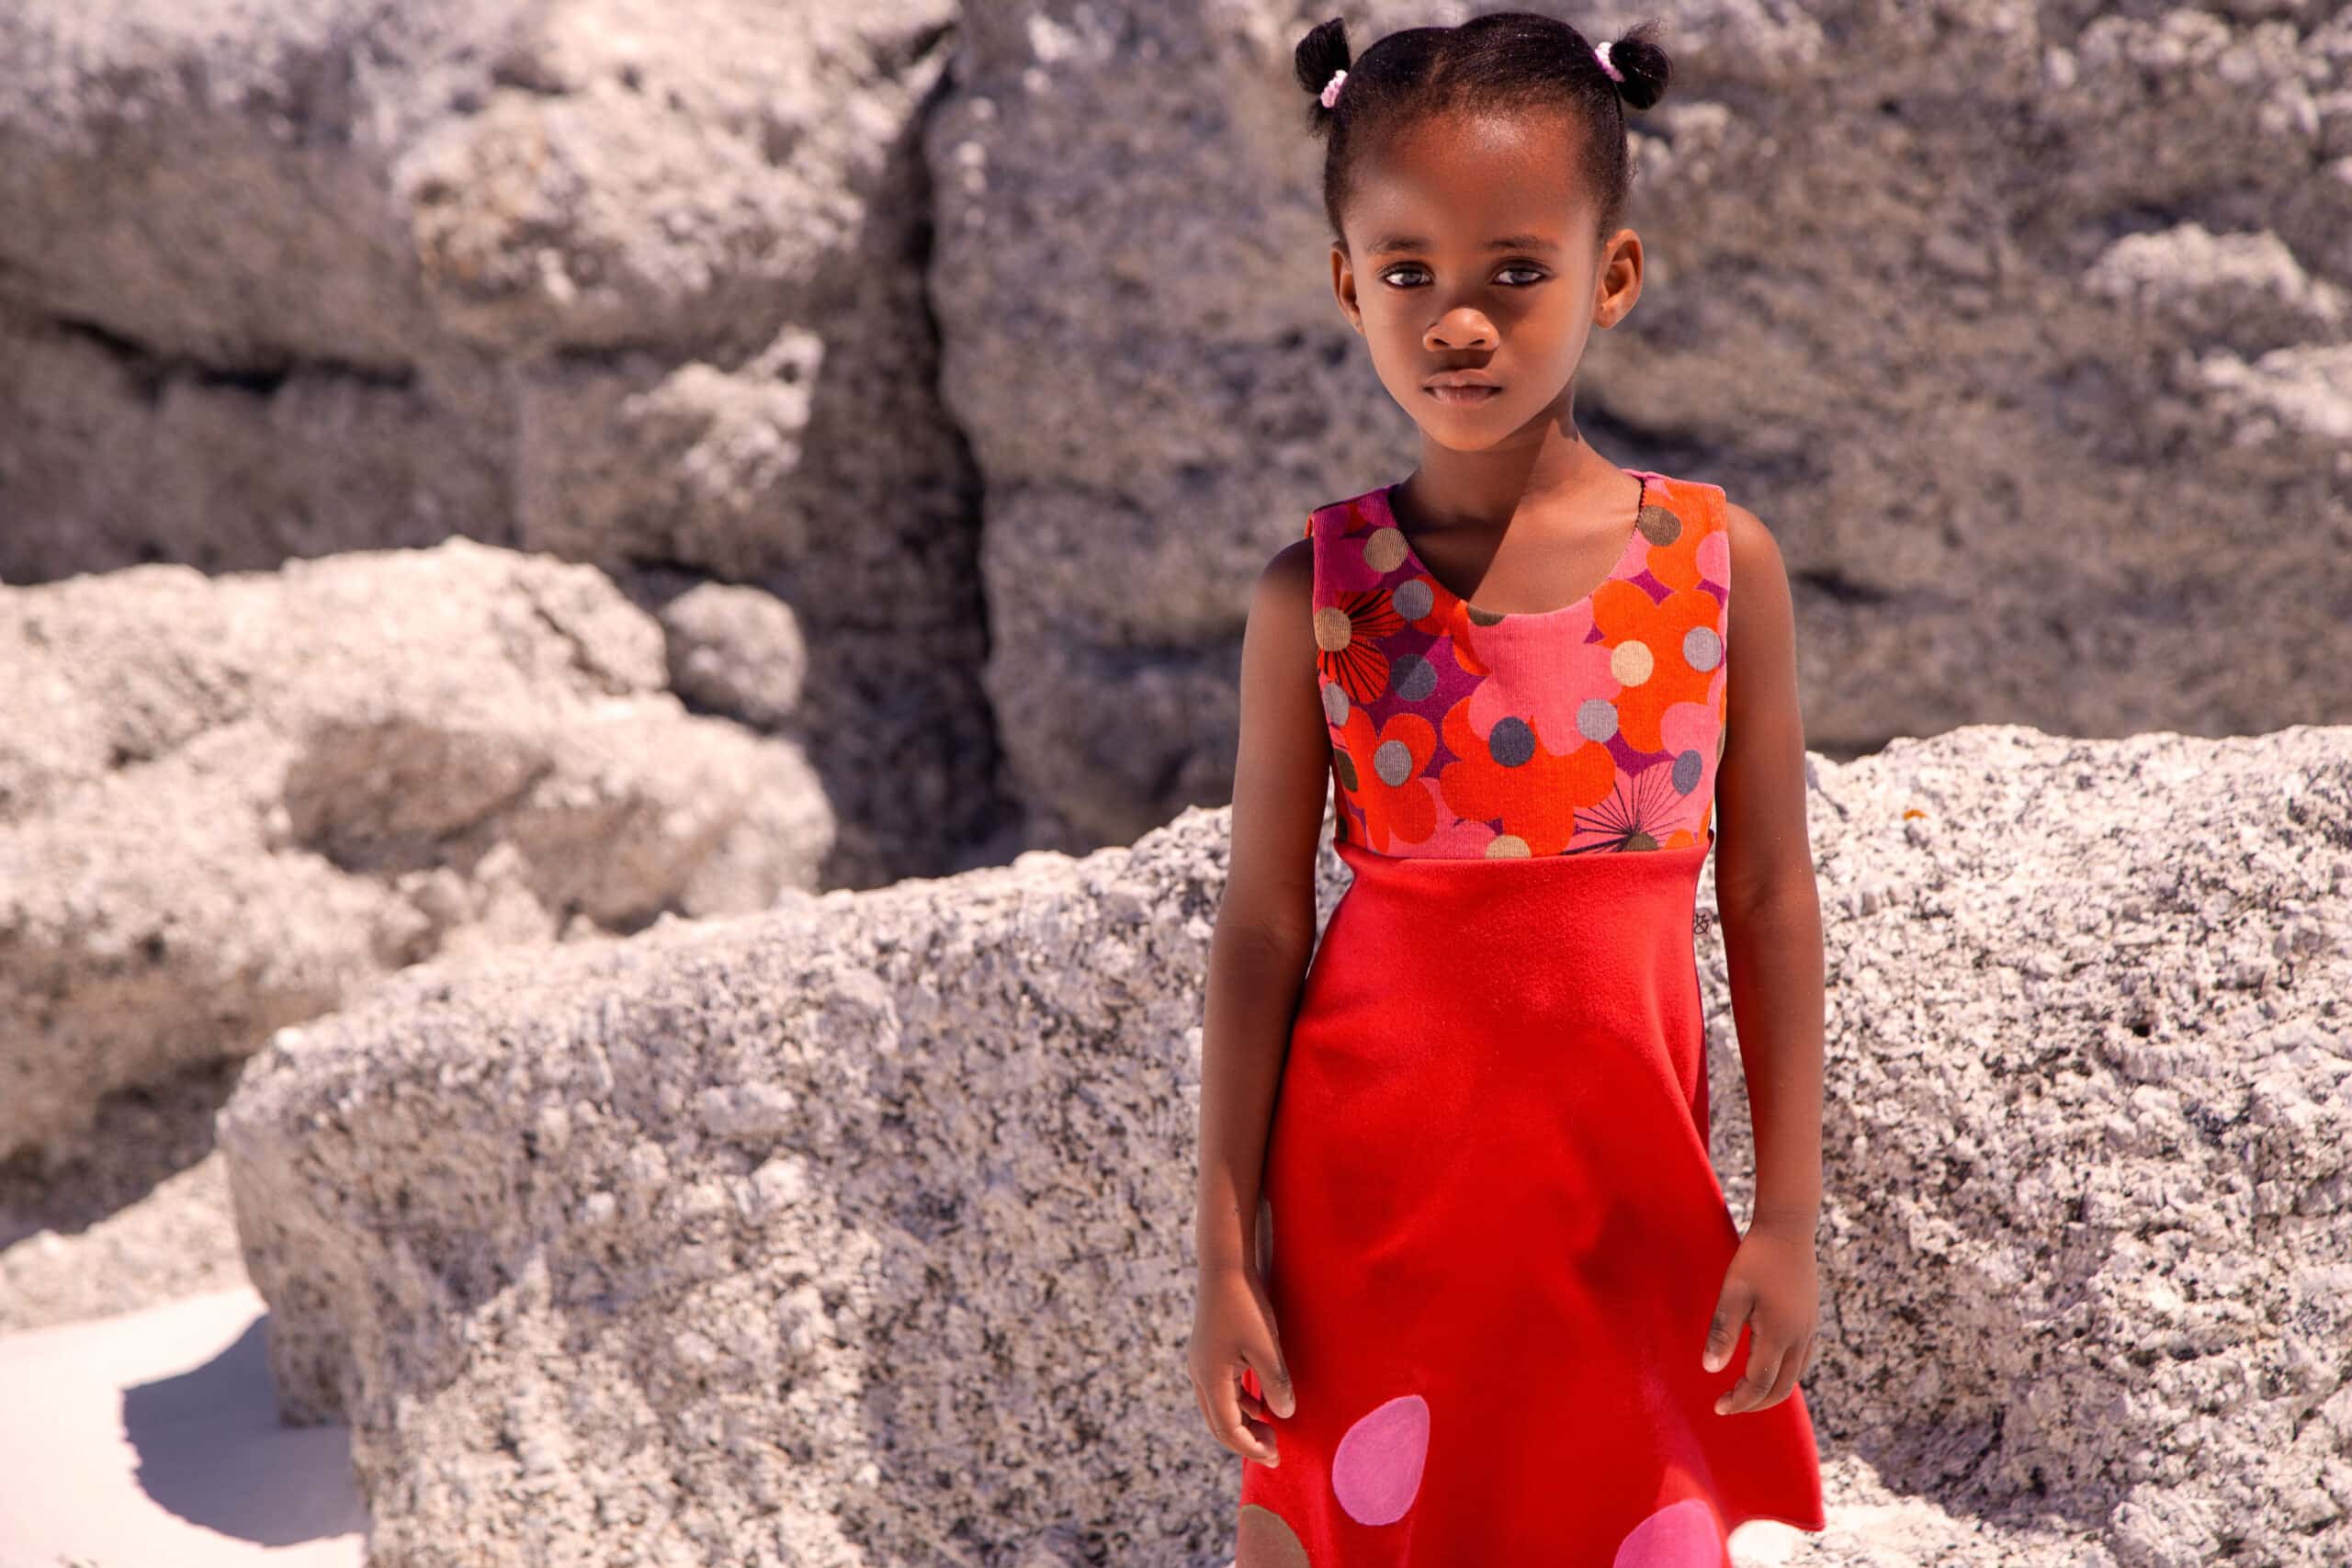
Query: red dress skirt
1494, 1240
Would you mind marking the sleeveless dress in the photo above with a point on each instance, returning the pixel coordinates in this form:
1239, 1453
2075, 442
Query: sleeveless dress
1491, 1228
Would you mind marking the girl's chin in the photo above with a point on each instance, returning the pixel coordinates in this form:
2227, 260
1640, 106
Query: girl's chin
1463, 430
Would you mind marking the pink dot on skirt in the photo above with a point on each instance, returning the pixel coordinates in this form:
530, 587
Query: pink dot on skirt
1680, 1535
1377, 1469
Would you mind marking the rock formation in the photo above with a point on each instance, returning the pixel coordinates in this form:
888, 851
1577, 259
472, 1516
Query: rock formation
231, 803
859, 1231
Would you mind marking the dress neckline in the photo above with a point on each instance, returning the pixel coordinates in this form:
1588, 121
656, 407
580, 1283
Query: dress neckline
1617, 569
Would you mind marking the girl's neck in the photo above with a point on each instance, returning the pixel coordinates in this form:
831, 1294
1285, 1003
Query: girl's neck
1478, 491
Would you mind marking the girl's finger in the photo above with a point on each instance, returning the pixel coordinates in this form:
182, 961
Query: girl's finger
1791, 1369
1273, 1385
1722, 1333
1250, 1439
1764, 1359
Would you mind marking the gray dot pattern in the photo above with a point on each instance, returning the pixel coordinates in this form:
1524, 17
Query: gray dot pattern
1688, 766
1512, 742
1413, 677
1701, 648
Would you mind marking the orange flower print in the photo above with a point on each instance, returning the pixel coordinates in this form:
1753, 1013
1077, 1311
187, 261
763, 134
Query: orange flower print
1396, 801
1458, 733
1664, 803
1660, 653
1508, 776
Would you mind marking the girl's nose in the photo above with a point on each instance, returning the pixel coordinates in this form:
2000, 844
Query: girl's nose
1462, 330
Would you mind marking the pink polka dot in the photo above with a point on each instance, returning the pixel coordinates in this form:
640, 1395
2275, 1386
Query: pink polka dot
1377, 1467
1680, 1535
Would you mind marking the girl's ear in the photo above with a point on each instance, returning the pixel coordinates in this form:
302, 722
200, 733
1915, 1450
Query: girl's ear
1343, 288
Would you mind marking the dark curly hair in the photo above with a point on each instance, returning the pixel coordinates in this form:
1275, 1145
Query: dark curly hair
1503, 61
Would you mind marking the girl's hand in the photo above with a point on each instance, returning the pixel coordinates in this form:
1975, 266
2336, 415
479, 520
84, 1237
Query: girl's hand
1233, 1330
1771, 1282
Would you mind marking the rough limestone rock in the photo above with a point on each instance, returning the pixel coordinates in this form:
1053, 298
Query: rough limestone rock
632, 282
860, 1232
2088, 1135
2041, 396
227, 804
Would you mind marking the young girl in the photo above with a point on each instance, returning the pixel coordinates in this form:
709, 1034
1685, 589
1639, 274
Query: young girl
1470, 1292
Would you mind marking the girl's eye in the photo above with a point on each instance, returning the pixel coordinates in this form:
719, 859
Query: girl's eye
1413, 275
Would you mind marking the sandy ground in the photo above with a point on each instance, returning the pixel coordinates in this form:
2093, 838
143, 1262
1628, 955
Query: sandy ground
151, 1440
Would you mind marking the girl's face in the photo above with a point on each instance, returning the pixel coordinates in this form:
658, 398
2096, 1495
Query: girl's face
1476, 245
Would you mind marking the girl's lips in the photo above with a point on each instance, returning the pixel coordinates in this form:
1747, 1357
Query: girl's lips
1463, 394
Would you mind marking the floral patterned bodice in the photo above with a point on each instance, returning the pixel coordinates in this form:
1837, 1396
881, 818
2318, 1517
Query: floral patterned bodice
1462, 732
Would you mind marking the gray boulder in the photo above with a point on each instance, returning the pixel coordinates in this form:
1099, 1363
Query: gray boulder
859, 1231
228, 804
629, 282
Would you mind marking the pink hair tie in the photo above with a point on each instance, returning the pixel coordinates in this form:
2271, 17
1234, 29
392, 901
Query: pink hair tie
1600, 52
1331, 88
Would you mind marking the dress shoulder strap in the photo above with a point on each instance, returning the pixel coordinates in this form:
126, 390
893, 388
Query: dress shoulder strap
1315, 596
1334, 526
1716, 502
1701, 502
1714, 517
1326, 523
1708, 508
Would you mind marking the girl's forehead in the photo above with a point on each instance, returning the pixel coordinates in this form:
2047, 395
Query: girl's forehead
1473, 162
1511, 135
1445, 195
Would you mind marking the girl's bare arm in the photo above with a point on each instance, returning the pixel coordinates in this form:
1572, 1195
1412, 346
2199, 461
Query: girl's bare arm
1764, 886
1265, 925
